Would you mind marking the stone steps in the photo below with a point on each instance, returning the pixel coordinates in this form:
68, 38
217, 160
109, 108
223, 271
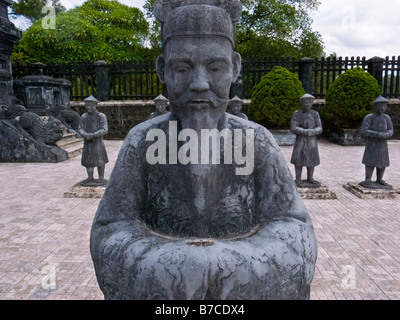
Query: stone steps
70, 143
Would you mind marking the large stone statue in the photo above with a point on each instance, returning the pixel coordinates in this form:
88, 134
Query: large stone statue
306, 125
92, 128
183, 217
377, 127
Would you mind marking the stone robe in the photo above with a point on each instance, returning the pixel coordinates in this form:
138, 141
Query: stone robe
251, 239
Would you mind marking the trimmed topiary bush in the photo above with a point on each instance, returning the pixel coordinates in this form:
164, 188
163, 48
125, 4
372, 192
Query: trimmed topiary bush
275, 98
349, 99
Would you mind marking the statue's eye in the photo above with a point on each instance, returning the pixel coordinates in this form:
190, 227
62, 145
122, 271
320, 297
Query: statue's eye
217, 66
181, 67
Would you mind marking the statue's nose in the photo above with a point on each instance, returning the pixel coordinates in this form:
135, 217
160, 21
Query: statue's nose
200, 80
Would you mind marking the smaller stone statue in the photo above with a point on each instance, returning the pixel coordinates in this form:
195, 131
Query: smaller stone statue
306, 125
377, 127
92, 128
161, 103
236, 105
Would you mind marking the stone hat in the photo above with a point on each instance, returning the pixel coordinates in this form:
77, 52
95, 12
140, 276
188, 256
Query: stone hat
380, 99
160, 98
91, 99
181, 18
307, 96
237, 99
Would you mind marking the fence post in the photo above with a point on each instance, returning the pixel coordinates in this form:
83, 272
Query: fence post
306, 73
102, 80
375, 68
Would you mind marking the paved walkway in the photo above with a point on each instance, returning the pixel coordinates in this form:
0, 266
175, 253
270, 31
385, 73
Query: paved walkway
44, 238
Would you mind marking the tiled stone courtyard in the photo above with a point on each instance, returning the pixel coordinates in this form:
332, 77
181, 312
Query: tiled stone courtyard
44, 237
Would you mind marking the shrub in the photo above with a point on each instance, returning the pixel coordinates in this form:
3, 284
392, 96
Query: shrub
350, 98
275, 98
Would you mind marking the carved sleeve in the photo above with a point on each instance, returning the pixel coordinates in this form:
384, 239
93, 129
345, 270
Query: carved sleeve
82, 125
368, 131
317, 130
103, 127
295, 125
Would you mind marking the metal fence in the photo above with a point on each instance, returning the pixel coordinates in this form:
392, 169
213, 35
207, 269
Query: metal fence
139, 81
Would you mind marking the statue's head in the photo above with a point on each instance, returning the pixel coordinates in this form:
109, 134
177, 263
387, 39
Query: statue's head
198, 64
236, 104
91, 104
161, 103
380, 105
307, 101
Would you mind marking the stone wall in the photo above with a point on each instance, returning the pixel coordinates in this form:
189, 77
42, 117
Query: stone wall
124, 115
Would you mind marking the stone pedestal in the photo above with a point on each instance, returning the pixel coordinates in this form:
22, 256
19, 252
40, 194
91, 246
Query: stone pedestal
87, 191
321, 192
368, 193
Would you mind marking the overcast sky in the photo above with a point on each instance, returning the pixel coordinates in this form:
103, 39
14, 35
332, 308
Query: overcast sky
349, 28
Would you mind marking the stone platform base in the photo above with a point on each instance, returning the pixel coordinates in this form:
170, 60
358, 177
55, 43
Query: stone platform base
322, 193
367, 193
79, 191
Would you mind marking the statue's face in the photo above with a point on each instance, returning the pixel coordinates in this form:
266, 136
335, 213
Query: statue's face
236, 107
198, 73
91, 107
307, 104
161, 106
380, 108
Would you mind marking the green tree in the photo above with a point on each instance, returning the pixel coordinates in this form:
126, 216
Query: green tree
349, 99
97, 30
278, 28
275, 98
272, 28
32, 9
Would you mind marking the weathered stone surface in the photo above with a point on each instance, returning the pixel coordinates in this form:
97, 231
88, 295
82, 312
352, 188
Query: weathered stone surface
368, 193
40, 93
321, 192
190, 230
19, 146
79, 191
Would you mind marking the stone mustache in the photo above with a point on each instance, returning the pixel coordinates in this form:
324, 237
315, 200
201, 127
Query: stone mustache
200, 231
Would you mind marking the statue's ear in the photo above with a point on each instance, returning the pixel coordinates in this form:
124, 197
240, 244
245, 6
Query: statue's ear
237, 65
160, 68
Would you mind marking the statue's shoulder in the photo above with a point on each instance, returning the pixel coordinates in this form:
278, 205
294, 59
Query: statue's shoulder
102, 115
137, 135
263, 139
387, 117
368, 116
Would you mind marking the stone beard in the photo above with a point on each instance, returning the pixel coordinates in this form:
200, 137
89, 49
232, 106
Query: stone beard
200, 231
